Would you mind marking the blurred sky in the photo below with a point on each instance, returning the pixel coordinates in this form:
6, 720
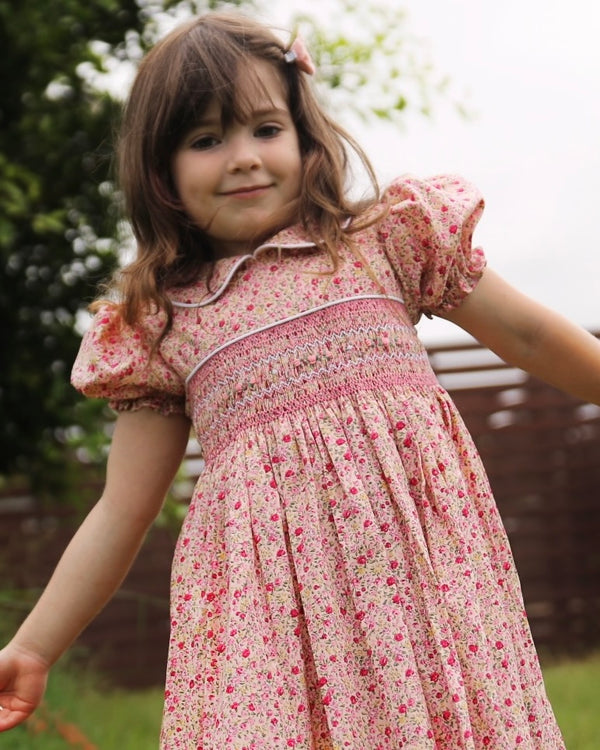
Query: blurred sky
529, 70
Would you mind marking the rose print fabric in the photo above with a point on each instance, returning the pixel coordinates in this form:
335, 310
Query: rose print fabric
342, 578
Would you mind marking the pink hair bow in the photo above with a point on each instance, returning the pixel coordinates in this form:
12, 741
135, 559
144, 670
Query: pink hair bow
297, 53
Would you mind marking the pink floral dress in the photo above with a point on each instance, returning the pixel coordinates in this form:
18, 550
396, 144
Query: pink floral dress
342, 578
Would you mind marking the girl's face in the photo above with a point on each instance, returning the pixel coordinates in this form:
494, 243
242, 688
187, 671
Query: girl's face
240, 183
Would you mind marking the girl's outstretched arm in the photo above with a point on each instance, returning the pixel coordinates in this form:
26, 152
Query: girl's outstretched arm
146, 451
533, 337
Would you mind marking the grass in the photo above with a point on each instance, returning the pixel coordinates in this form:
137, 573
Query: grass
574, 690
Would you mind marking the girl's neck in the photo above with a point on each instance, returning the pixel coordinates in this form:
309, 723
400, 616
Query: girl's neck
225, 250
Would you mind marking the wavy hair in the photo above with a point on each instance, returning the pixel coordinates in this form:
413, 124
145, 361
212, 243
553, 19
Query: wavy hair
176, 81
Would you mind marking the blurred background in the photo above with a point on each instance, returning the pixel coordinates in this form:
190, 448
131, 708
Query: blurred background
505, 94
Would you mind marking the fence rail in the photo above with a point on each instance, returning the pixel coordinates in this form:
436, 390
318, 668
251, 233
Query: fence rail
541, 449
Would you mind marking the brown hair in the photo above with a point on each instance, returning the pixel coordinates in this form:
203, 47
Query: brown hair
175, 83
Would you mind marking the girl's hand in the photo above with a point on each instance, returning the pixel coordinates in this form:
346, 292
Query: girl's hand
23, 677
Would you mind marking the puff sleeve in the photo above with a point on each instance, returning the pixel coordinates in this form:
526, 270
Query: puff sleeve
117, 362
427, 237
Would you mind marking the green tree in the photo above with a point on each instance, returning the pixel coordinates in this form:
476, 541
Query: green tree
59, 221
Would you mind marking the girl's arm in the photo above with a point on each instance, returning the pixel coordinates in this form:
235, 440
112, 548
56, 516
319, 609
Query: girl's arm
528, 335
146, 451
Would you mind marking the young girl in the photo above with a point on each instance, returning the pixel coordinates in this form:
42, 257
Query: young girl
342, 578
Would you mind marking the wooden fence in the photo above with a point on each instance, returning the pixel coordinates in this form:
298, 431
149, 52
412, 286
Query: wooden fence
542, 452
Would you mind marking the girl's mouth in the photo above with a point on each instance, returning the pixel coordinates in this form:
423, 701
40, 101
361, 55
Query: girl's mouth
247, 191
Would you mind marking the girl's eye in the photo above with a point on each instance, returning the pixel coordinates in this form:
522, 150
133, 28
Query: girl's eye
268, 131
203, 142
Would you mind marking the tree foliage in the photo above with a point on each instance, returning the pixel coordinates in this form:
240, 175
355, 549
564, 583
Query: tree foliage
59, 222
368, 62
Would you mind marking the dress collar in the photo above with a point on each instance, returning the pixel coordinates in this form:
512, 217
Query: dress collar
222, 271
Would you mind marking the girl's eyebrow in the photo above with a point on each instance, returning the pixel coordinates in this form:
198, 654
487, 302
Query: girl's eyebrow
265, 111
262, 112
204, 121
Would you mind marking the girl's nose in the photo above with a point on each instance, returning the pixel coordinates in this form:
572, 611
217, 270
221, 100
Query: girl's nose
243, 154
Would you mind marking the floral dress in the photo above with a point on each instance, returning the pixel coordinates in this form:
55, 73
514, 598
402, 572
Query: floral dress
342, 578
